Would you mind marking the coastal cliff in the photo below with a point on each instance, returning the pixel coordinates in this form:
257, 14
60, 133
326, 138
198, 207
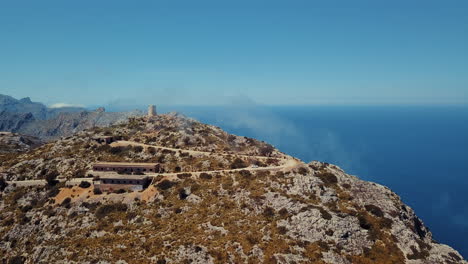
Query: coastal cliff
221, 198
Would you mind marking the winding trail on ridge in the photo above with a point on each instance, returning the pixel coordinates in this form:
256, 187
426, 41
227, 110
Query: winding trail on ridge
123, 143
287, 162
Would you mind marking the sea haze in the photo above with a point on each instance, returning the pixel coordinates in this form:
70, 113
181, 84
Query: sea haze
421, 153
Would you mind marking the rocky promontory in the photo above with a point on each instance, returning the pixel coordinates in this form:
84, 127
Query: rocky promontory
220, 198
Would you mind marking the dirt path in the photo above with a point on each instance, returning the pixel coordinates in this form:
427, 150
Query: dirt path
287, 162
27, 183
123, 143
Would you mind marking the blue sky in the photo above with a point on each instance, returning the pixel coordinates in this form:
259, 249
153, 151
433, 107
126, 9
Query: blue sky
217, 52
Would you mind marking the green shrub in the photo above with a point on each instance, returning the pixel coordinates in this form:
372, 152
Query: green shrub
53, 192
262, 173
282, 230
364, 223
66, 202
151, 150
16, 260
51, 177
266, 150
23, 219
165, 185
283, 212
137, 149
313, 167
184, 175
205, 176
231, 138
182, 194
454, 256
3, 184
106, 209
26, 208
269, 212
116, 150
327, 178
418, 227
374, 210
279, 174
302, 171
423, 254
325, 214
84, 184
245, 173
80, 173
238, 164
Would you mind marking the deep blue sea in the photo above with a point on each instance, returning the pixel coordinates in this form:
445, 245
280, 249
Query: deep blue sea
421, 153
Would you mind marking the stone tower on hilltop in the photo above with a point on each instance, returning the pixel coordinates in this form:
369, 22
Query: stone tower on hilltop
151, 111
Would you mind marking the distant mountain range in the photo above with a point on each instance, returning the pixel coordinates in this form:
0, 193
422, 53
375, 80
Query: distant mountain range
38, 110
36, 119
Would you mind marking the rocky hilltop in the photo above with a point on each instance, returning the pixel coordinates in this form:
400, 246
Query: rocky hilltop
15, 143
219, 198
35, 119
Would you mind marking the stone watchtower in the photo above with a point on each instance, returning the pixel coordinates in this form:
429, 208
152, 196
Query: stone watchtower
151, 111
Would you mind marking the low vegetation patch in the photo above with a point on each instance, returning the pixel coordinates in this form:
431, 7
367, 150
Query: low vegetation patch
51, 177
184, 175
238, 164
106, 209
66, 202
327, 178
165, 185
205, 176
84, 184
375, 210
3, 184
302, 170
182, 194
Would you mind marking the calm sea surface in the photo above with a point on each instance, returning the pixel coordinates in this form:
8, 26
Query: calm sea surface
421, 153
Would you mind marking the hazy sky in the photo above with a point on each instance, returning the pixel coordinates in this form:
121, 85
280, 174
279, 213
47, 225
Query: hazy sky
208, 52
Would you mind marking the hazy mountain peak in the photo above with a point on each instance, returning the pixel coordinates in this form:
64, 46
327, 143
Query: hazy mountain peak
25, 100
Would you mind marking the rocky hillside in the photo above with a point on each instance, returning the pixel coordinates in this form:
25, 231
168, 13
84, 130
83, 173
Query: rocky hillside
250, 207
16, 143
73, 156
13, 122
35, 119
